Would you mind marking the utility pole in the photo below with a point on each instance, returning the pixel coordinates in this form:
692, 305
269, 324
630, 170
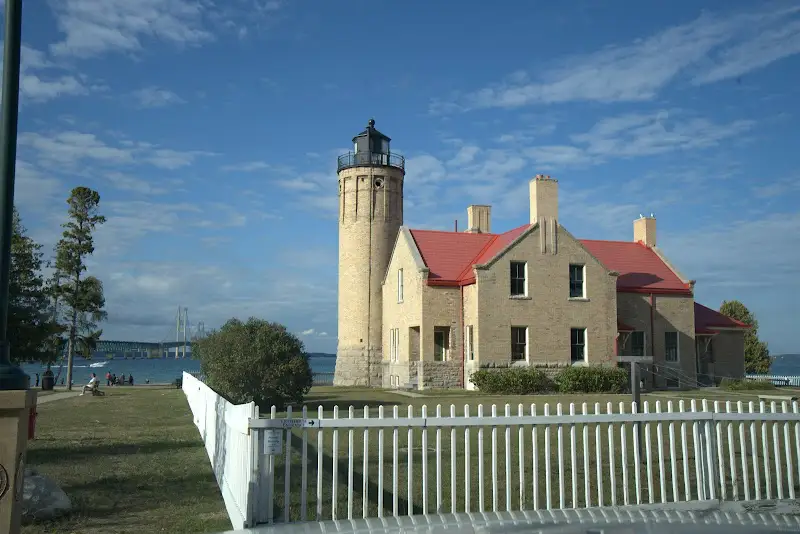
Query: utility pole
177, 331
11, 376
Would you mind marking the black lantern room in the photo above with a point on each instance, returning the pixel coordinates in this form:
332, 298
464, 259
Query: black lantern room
371, 148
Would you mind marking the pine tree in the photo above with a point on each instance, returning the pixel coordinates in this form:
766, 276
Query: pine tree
30, 323
756, 352
81, 296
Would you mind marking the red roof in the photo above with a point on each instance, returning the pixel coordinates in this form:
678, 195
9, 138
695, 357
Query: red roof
639, 267
706, 320
450, 257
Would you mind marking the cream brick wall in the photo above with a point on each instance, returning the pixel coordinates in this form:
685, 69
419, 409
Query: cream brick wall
408, 313
728, 350
548, 312
370, 214
671, 313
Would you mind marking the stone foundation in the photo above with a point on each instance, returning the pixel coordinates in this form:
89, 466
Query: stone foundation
440, 375
359, 367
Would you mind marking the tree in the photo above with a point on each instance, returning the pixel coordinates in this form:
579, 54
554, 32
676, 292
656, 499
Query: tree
255, 361
756, 353
30, 324
83, 297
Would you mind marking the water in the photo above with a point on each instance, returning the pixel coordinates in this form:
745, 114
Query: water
157, 371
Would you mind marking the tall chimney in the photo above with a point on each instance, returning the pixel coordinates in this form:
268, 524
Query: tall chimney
544, 198
644, 230
479, 219
544, 211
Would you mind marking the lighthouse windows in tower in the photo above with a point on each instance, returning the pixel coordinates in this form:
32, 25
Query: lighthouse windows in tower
378, 182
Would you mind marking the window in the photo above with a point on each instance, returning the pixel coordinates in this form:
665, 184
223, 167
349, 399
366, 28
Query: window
577, 341
468, 347
519, 343
671, 346
441, 343
577, 281
399, 285
636, 343
394, 344
519, 282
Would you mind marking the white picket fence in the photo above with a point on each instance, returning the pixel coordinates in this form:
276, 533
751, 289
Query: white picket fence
318, 467
778, 380
225, 430
322, 465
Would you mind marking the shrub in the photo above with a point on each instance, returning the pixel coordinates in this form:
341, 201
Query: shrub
592, 379
255, 361
512, 381
736, 384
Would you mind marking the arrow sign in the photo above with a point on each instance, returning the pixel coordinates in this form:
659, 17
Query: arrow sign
299, 423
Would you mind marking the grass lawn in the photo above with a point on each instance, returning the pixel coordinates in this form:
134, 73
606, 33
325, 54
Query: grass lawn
131, 462
410, 497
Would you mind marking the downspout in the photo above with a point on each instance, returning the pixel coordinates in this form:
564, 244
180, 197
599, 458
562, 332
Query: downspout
463, 342
652, 331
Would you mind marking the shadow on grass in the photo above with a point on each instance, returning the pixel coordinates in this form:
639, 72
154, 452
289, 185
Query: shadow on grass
138, 493
42, 456
341, 466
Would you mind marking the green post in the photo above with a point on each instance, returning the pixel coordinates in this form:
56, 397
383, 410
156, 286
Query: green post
11, 376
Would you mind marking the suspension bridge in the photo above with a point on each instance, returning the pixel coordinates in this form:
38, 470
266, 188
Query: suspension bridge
176, 343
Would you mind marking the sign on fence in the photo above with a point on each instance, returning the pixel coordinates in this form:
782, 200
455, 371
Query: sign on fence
298, 423
273, 441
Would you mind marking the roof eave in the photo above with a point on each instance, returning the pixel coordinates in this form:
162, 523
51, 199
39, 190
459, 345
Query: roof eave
655, 291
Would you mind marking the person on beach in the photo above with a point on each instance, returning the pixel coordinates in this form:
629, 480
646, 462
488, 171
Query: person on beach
90, 385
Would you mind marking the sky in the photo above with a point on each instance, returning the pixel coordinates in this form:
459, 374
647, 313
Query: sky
210, 128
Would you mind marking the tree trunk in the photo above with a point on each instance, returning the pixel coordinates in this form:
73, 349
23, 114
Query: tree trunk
71, 347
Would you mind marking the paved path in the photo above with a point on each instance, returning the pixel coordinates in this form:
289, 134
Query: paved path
57, 396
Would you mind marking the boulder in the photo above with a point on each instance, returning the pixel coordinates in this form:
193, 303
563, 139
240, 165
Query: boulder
42, 499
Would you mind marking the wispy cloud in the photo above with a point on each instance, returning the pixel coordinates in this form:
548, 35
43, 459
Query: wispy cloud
156, 97
638, 70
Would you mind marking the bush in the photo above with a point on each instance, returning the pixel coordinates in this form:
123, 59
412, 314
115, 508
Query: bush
736, 384
592, 379
255, 361
512, 381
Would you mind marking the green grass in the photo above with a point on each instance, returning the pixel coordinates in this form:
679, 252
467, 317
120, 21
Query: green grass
131, 462
365, 483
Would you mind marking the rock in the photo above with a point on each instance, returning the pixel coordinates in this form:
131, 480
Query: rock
42, 499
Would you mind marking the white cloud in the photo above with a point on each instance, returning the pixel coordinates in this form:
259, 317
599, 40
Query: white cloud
638, 70
155, 97
92, 28
249, 166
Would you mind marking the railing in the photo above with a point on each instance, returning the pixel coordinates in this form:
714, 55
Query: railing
319, 467
777, 380
358, 159
224, 428
323, 379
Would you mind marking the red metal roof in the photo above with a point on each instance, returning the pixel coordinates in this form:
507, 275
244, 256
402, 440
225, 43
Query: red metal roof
639, 267
450, 257
706, 320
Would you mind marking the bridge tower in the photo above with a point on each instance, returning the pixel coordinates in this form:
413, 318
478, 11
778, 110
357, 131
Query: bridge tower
370, 216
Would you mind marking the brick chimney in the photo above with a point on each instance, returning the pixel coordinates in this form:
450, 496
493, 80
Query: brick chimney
544, 211
644, 230
479, 219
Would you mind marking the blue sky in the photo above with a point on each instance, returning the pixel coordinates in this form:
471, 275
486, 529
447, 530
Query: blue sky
211, 130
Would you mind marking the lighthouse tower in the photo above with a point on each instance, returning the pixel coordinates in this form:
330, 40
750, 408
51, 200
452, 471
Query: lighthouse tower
370, 216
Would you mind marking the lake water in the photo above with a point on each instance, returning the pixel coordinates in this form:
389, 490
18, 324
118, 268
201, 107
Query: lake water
157, 371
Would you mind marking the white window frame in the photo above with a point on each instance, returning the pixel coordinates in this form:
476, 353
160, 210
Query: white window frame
585, 345
527, 344
399, 286
524, 293
469, 348
677, 347
583, 281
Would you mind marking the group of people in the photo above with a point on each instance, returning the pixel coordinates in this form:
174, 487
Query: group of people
114, 380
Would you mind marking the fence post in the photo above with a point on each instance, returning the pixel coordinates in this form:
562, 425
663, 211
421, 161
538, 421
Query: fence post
710, 452
254, 493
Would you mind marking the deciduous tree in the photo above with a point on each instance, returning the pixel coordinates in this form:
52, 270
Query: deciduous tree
81, 295
255, 361
756, 352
